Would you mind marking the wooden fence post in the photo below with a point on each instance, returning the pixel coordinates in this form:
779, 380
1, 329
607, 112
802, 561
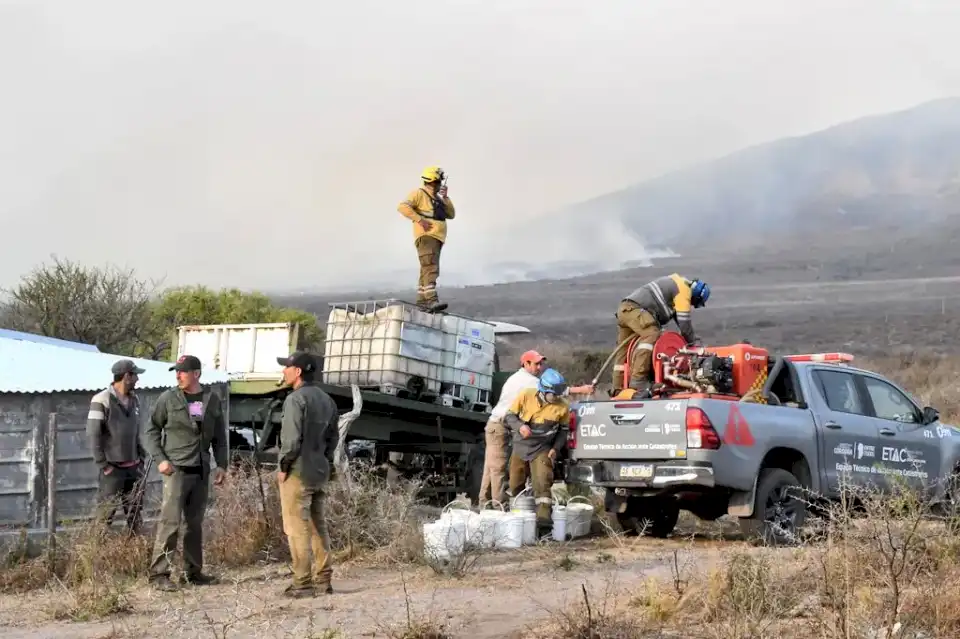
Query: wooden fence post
52, 483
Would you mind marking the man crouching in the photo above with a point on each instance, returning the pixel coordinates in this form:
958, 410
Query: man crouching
538, 418
309, 433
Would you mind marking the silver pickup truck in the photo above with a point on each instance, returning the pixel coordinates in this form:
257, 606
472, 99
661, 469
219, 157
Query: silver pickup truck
823, 424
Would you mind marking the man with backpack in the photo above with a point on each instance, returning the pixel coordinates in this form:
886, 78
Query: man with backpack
429, 208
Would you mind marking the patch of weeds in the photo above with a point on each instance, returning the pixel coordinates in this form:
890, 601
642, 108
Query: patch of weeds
92, 601
567, 562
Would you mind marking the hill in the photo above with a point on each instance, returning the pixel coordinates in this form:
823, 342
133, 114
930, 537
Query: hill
892, 169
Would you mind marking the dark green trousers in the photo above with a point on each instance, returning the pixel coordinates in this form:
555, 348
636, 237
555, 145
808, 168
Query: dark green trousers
184, 496
123, 487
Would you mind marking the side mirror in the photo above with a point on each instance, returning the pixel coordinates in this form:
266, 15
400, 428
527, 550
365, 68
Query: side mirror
930, 415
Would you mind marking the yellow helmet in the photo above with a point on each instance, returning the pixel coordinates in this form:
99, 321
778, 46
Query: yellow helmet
432, 174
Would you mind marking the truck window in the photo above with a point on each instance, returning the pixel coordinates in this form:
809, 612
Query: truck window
839, 391
890, 403
784, 388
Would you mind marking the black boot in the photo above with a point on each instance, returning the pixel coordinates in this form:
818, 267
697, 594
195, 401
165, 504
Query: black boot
642, 387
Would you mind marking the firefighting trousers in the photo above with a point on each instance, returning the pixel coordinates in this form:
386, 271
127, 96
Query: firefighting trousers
428, 252
540, 469
305, 526
633, 321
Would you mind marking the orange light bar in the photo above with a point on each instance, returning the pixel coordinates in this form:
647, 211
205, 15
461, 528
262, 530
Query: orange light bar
832, 358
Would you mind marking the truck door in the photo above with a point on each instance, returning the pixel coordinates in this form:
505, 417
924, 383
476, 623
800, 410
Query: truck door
909, 452
849, 438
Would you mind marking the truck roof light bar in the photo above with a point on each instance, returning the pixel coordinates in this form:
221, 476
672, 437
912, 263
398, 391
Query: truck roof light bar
827, 358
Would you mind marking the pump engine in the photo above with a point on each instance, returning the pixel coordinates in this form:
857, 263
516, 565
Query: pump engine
726, 370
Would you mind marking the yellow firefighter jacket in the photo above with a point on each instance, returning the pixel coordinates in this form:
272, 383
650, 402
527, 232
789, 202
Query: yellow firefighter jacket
418, 206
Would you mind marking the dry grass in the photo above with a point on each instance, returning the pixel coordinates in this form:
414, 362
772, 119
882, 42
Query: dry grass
886, 567
94, 569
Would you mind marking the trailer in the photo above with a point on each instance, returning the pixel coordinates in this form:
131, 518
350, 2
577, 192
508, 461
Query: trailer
427, 381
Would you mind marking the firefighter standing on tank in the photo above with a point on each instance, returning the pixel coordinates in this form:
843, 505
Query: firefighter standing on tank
643, 313
429, 208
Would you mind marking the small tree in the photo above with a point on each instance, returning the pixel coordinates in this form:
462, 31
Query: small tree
105, 306
202, 305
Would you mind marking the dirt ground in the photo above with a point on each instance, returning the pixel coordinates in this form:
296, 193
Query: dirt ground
505, 595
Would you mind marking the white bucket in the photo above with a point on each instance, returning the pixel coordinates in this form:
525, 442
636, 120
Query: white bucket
510, 531
579, 517
490, 526
559, 517
444, 539
470, 521
529, 527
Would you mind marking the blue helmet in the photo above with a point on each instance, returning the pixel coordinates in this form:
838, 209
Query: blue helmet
552, 382
701, 293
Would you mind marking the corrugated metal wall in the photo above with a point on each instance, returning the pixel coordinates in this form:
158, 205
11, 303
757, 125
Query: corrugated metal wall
23, 424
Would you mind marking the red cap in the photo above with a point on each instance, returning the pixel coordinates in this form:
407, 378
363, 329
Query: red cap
531, 356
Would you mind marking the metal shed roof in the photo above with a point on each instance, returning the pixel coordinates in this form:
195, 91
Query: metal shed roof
34, 367
43, 339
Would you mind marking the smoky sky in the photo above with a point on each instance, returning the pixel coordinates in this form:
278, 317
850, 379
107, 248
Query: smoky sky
258, 144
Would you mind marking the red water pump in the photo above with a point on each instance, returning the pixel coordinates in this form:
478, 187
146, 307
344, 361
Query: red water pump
726, 370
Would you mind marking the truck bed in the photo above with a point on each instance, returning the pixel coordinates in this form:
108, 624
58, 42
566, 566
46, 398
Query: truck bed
660, 442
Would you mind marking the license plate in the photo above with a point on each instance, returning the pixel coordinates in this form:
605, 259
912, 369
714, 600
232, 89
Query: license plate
641, 471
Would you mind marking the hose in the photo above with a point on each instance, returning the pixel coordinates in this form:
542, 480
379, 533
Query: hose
610, 358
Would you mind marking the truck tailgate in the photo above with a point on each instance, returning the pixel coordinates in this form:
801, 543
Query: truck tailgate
653, 429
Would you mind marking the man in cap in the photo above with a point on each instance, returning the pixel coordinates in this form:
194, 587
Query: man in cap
185, 422
429, 208
113, 432
309, 433
494, 485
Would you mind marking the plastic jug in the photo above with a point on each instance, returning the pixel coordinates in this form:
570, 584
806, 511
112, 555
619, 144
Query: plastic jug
522, 504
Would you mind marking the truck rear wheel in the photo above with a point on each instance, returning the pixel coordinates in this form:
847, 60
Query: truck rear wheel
779, 511
650, 517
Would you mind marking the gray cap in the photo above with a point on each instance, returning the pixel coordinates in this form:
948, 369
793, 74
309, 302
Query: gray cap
124, 366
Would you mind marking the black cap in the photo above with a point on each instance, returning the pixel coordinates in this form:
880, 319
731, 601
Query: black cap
186, 363
124, 366
299, 359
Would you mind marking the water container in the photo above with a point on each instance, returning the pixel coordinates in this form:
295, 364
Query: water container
510, 531
490, 524
444, 538
529, 527
469, 520
579, 517
521, 504
559, 516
